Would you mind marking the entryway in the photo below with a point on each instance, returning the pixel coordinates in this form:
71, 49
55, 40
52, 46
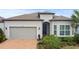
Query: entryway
46, 28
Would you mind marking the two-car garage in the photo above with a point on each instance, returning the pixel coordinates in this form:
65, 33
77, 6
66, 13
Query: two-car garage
23, 29
27, 26
23, 32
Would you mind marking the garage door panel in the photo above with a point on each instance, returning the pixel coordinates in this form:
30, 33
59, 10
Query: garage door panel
23, 32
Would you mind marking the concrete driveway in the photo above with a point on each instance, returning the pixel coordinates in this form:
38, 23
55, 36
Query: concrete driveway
19, 44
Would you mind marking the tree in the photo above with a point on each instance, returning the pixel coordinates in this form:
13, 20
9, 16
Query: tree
75, 19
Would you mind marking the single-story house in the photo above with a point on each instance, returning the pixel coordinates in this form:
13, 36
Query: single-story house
31, 26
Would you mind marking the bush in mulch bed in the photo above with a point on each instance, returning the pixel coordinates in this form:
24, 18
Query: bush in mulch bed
49, 42
68, 41
76, 38
2, 36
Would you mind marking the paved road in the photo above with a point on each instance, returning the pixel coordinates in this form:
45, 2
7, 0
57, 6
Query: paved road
19, 44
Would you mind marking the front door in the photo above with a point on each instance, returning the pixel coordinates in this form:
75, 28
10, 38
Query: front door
46, 28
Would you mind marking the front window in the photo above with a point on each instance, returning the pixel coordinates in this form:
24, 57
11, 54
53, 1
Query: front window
64, 29
55, 29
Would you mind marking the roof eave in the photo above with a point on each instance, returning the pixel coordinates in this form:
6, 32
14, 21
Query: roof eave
47, 13
22, 20
60, 20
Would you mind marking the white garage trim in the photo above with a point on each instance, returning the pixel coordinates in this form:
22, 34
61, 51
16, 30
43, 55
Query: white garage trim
25, 27
37, 24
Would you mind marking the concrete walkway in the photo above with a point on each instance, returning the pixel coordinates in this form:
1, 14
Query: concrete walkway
19, 44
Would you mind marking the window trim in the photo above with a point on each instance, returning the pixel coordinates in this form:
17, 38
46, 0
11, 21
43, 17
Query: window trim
65, 30
55, 29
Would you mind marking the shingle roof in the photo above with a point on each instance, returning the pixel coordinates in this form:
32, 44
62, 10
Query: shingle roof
34, 16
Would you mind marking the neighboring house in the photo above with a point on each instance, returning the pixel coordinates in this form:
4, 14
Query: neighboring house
30, 26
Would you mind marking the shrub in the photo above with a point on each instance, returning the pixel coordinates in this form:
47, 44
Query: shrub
50, 42
76, 38
68, 40
40, 45
2, 36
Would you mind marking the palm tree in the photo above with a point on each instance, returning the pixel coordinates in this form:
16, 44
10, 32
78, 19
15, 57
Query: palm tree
75, 19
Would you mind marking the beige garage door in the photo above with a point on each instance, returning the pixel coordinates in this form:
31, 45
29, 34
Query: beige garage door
23, 32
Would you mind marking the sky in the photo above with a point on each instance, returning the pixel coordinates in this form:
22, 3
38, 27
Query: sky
6, 13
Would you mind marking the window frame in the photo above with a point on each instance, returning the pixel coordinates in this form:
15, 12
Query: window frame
55, 29
64, 30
